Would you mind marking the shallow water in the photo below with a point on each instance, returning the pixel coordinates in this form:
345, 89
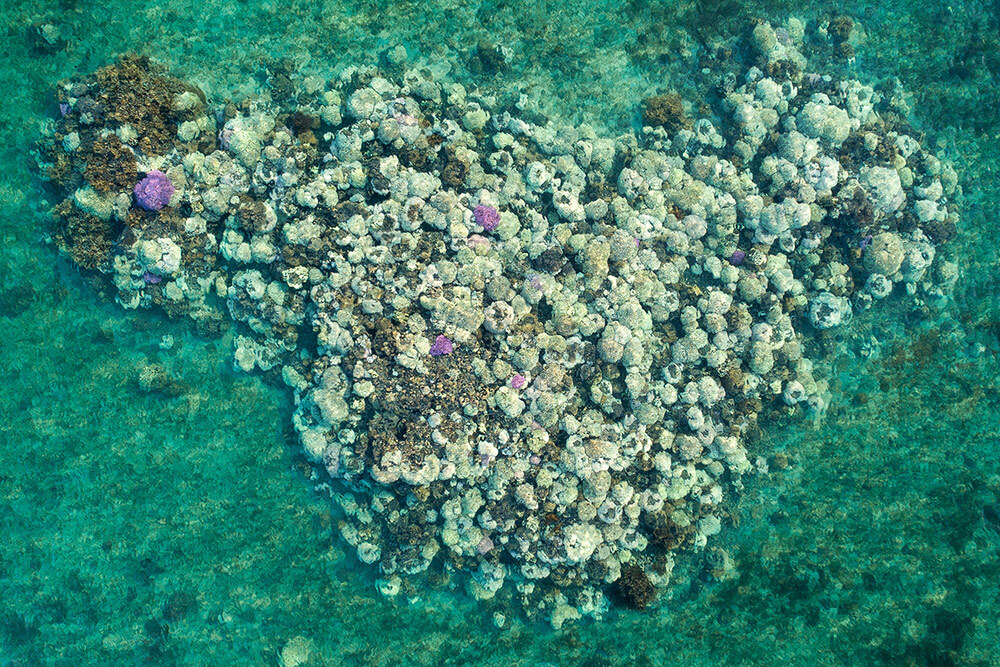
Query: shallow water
178, 527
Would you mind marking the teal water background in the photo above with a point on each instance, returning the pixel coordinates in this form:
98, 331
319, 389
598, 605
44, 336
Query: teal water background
178, 527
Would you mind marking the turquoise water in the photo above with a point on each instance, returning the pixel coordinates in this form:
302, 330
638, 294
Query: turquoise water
177, 526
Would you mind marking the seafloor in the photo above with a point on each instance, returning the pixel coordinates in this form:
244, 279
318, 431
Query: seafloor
176, 527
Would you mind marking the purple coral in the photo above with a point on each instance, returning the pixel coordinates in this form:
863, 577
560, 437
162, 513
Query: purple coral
485, 546
476, 240
487, 216
442, 345
737, 257
518, 381
154, 192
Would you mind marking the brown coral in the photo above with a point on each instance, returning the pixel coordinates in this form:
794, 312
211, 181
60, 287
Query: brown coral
784, 70
302, 125
84, 237
251, 215
734, 380
111, 165
134, 92
60, 169
840, 28
633, 589
940, 232
666, 111
455, 170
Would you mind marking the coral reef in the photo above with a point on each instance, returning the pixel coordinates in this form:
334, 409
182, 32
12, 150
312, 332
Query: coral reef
517, 348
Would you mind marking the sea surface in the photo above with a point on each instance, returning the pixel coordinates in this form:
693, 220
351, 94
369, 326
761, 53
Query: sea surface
180, 528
